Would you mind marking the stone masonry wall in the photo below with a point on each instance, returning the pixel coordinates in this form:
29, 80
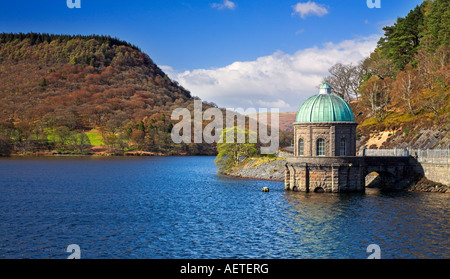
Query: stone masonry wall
437, 172
331, 133
320, 179
343, 174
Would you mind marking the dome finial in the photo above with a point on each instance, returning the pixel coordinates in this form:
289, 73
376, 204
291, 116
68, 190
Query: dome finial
325, 88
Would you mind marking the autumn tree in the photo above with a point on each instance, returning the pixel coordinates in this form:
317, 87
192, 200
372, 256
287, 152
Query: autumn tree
80, 141
62, 135
406, 89
433, 70
375, 94
437, 96
20, 135
435, 100
137, 137
112, 141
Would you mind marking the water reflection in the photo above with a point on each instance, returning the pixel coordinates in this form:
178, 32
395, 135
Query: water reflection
405, 225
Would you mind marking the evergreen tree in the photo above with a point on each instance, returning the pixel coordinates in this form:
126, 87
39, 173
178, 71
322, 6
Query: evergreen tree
401, 41
436, 30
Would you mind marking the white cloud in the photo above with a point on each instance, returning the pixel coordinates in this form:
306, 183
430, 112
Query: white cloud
278, 80
300, 31
226, 4
168, 70
309, 8
275, 104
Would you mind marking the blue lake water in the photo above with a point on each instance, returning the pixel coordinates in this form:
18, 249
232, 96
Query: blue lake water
179, 207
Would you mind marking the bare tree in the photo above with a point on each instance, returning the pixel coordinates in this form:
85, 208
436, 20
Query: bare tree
345, 80
375, 94
433, 72
406, 88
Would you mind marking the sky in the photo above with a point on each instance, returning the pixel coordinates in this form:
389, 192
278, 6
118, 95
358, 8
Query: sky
235, 53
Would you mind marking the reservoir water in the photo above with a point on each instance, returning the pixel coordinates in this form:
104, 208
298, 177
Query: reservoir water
179, 207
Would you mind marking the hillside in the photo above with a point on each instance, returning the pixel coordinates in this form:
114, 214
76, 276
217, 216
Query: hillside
66, 94
400, 94
404, 92
62, 94
401, 130
285, 119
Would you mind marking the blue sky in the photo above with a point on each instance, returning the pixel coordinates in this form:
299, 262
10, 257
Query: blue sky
216, 47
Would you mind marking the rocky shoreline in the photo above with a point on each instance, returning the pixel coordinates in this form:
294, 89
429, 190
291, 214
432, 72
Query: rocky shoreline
260, 168
428, 186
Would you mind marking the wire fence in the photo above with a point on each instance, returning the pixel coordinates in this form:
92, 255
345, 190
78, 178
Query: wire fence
432, 156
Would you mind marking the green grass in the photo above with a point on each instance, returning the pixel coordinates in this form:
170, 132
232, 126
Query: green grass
394, 118
95, 137
397, 118
369, 122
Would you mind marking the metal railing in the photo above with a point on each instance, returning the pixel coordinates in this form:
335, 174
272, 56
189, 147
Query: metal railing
432, 156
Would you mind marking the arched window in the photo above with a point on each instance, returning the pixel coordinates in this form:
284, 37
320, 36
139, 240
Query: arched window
343, 147
320, 147
300, 147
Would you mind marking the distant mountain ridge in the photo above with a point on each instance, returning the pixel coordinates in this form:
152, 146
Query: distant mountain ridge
286, 119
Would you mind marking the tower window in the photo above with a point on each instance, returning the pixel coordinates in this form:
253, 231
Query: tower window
343, 147
300, 147
320, 147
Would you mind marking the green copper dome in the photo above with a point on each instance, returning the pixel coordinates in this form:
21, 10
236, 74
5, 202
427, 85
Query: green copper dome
325, 107
325, 85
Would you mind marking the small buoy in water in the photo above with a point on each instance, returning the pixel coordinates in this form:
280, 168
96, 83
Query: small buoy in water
266, 189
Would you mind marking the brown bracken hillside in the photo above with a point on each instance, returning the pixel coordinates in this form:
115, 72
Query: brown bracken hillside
69, 93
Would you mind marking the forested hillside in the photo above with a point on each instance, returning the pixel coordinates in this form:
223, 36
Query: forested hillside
66, 94
62, 94
400, 93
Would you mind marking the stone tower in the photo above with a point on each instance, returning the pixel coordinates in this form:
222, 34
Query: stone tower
325, 147
325, 126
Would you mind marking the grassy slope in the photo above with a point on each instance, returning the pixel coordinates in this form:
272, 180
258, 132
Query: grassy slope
405, 129
95, 137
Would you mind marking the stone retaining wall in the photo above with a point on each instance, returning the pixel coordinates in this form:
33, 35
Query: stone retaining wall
437, 172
